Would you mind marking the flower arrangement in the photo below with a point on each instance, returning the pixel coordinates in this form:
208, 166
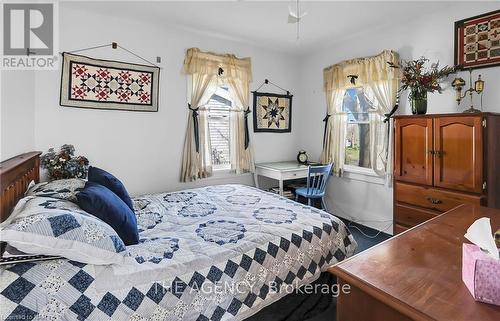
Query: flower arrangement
421, 80
64, 164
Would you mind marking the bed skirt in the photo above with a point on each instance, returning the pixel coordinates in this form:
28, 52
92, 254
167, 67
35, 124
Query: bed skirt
298, 306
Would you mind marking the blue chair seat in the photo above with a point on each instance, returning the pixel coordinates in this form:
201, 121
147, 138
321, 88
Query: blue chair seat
316, 184
302, 191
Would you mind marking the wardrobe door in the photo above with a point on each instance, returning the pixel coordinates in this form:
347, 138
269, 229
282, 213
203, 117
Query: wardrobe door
413, 146
458, 145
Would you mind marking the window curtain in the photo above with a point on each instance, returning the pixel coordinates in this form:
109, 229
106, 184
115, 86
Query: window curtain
208, 71
241, 149
196, 158
334, 132
375, 74
385, 92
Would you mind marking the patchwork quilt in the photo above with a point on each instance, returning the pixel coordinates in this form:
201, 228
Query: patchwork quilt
215, 253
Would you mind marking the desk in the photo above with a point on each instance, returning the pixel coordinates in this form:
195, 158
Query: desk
280, 171
416, 275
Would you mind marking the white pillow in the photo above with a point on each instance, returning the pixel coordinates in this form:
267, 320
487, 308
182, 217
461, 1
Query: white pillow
25, 208
48, 226
30, 186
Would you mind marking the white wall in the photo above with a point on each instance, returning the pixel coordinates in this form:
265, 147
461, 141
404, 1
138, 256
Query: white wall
430, 36
144, 149
17, 113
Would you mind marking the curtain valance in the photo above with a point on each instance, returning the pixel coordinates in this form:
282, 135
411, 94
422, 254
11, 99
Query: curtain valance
367, 70
208, 63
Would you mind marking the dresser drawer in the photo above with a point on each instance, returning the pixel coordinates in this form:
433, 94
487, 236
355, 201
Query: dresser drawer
432, 198
299, 173
411, 216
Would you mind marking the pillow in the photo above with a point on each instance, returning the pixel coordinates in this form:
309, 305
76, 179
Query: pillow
30, 205
65, 189
106, 205
30, 186
48, 226
106, 179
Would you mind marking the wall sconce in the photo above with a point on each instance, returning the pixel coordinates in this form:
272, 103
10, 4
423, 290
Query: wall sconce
459, 83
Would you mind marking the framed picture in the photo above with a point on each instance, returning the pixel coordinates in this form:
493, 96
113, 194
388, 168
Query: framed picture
272, 112
477, 41
104, 84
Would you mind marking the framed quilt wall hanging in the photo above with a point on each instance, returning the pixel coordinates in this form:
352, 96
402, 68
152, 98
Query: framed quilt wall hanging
477, 41
104, 84
272, 112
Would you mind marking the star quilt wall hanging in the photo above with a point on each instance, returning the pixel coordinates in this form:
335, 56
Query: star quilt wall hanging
272, 112
104, 84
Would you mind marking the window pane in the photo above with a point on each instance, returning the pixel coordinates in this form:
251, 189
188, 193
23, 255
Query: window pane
356, 105
218, 123
357, 150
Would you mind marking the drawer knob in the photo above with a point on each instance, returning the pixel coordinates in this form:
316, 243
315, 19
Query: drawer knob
434, 200
438, 153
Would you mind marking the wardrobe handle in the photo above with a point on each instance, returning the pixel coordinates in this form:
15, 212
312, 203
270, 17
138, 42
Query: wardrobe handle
434, 200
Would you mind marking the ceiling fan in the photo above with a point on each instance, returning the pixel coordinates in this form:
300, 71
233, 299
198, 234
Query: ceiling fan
295, 15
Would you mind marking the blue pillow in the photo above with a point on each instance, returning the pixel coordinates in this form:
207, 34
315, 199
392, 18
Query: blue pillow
106, 179
106, 205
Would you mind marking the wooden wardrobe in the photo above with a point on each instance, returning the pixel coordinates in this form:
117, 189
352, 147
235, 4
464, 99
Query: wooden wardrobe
442, 161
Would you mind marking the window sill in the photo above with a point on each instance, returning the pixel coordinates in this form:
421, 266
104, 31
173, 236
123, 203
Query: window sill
225, 173
362, 174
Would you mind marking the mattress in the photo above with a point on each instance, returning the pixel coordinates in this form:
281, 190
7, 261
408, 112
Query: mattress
215, 253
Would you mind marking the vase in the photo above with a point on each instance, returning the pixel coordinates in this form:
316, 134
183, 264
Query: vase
418, 102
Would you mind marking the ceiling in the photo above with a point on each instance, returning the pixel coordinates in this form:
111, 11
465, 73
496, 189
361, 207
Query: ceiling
264, 23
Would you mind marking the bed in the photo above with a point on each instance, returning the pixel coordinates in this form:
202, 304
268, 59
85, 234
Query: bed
221, 252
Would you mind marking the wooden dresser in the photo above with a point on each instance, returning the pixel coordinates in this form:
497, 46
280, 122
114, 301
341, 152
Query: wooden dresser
416, 275
442, 161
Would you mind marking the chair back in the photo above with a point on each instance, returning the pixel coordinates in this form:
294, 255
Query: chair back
317, 178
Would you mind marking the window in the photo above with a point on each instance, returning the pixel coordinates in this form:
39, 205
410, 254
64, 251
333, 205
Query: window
218, 124
358, 108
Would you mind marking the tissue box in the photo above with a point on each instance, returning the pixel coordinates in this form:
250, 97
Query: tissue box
481, 274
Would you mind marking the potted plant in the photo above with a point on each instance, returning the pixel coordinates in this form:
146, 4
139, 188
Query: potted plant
421, 80
63, 164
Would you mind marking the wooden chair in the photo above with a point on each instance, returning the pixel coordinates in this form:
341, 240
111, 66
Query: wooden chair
316, 184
